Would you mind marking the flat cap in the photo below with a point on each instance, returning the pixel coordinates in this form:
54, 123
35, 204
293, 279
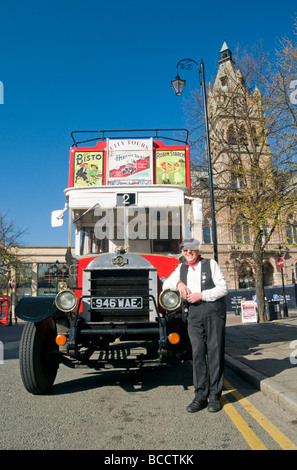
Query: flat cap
190, 244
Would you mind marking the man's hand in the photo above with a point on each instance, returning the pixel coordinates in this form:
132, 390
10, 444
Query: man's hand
183, 290
196, 297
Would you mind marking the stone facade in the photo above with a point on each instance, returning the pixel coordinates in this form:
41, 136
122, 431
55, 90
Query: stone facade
228, 119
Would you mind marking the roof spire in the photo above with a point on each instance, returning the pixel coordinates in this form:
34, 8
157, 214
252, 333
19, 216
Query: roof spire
225, 53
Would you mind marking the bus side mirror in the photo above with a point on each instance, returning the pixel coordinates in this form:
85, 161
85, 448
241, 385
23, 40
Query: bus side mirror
57, 218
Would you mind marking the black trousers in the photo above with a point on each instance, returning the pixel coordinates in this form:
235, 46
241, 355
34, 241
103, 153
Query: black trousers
206, 329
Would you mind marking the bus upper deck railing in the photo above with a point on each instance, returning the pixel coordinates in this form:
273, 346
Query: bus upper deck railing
117, 134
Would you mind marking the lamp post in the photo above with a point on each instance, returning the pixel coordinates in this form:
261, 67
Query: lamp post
281, 267
178, 85
236, 268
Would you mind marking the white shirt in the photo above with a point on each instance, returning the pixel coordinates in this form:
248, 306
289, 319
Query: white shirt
194, 281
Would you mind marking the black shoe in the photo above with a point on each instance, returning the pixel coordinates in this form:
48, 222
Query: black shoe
196, 405
214, 405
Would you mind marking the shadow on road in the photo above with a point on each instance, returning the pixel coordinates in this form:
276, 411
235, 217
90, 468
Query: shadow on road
136, 380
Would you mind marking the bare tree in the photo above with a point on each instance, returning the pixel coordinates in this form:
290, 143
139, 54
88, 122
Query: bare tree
10, 238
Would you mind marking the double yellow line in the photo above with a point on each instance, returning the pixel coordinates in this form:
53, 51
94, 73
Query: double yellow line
254, 442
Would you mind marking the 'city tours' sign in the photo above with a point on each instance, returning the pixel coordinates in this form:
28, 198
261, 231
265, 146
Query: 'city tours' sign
129, 161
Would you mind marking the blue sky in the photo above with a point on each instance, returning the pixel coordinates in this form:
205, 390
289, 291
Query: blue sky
79, 65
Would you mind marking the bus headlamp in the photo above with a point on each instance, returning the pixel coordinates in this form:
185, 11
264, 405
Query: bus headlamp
66, 300
170, 299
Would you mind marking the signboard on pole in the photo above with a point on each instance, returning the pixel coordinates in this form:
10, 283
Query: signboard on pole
12, 283
280, 263
249, 312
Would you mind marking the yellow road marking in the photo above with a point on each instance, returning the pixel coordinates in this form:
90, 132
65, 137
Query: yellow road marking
272, 430
249, 435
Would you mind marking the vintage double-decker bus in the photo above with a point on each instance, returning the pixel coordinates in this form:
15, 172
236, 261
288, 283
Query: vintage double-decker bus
129, 202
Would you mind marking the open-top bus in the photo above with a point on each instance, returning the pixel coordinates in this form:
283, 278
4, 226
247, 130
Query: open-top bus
129, 202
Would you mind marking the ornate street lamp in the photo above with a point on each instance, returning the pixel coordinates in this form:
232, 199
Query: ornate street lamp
178, 85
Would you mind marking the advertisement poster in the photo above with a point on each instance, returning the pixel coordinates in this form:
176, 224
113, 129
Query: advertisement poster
130, 161
248, 311
88, 168
171, 167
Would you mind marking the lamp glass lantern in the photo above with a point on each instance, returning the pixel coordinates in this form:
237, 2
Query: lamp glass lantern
178, 85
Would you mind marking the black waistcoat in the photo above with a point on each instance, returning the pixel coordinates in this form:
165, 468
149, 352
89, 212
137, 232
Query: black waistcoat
218, 306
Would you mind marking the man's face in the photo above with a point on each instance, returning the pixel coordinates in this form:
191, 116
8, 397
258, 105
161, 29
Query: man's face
191, 255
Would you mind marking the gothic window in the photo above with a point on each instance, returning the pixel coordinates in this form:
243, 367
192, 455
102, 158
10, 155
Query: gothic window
254, 136
237, 178
291, 230
242, 236
224, 80
231, 135
242, 135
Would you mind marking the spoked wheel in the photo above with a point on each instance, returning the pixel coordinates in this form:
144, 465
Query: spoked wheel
37, 365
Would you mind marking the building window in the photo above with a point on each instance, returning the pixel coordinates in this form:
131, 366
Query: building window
237, 176
231, 135
245, 276
242, 135
242, 236
207, 232
224, 80
49, 275
291, 230
255, 137
24, 280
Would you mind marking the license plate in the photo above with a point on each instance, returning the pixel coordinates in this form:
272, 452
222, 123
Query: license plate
116, 302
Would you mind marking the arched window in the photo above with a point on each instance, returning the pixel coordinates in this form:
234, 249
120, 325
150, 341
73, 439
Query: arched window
291, 230
268, 274
245, 276
242, 234
242, 135
237, 175
231, 135
255, 136
207, 231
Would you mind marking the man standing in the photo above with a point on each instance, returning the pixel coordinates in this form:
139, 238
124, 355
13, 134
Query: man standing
201, 283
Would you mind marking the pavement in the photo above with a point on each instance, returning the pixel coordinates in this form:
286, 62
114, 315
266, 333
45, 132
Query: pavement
263, 354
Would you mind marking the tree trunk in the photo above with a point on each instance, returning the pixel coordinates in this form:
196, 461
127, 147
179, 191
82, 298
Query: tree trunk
259, 280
